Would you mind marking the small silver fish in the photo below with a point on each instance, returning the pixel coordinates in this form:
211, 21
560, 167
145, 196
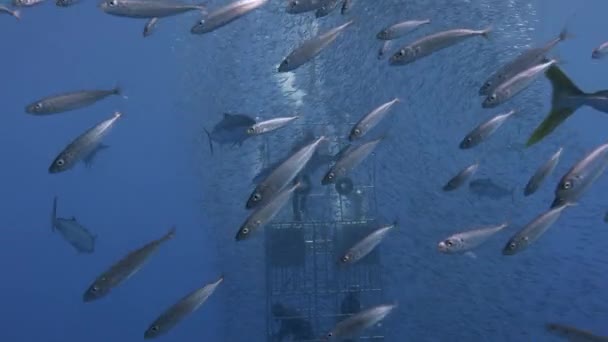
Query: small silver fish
15, 13
542, 173
355, 324
148, 9
366, 245
303, 6
327, 8
283, 174
533, 230
384, 49
264, 213
581, 176
573, 334
150, 25
527, 59
178, 311
27, 3
430, 44
68, 101
349, 160
369, 121
73, 232
400, 29
83, 145
484, 130
346, 6
225, 15
124, 268
513, 86
66, 3
600, 51
311, 48
461, 177
270, 125
465, 241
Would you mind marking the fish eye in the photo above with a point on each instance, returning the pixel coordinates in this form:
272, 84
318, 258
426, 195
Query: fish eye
567, 185
487, 84
60, 162
401, 52
95, 288
155, 328
250, 130
448, 243
257, 197
493, 97
112, 3
245, 231
512, 245
330, 334
331, 175
38, 105
357, 131
346, 258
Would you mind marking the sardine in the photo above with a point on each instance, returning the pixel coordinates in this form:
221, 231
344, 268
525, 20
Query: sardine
270, 125
15, 13
178, 311
581, 176
225, 15
465, 241
27, 3
513, 86
264, 213
150, 25
311, 48
303, 6
461, 177
600, 51
83, 145
355, 324
533, 230
484, 130
124, 268
366, 245
283, 174
73, 232
369, 121
435, 42
400, 29
327, 8
148, 9
349, 160
542, 173
68, 101
573, 334
525, 60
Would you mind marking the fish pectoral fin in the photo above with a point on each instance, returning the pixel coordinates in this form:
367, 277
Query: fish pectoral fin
555, 118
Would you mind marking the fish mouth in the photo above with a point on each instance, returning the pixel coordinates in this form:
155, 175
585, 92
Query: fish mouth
557, 202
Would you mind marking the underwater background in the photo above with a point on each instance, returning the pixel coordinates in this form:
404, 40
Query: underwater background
158, 170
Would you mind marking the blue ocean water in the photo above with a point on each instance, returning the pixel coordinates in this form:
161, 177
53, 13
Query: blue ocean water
159, 172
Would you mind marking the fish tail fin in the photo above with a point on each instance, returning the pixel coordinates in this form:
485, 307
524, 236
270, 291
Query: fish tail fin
486, 32
17, 14
563, 89
202, 7
170, 234
54, 214
210, 141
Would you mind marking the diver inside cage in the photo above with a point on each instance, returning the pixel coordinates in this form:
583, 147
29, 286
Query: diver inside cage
291, 325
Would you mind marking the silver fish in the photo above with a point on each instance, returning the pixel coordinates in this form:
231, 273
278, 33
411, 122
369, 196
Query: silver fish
516, 84
150, 25
264, 213
148, 9
581, 176
384, 49
523, 61
66, 3
542, 172
303, 6
124, 268
178, 311
600, 51
83, 145
346, 6
533, 230
366, 245
73, 232
355, 324
15, 13
400, 29
573, 334
430, 44
465, 241
225, 15
461, 177
327, 8
270, 125
369, 121
283, 174
311, 48
484, 130
68, 101
349, 160
27, 3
